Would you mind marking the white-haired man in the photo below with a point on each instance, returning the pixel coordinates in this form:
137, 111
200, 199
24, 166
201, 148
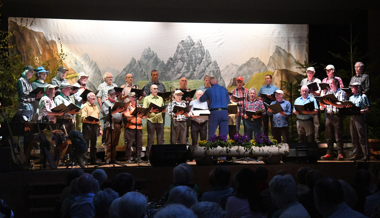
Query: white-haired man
198, 124
305, 126
310, 71
154, 120
104, 87
361, 78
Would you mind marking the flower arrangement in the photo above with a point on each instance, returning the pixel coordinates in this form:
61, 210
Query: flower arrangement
238, 140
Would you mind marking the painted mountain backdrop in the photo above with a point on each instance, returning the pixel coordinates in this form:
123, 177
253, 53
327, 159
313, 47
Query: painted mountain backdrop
190, 59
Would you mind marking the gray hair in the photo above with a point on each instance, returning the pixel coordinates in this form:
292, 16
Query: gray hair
103, 200
206, 77
361, 63
199, 91
132, 204
114, 209
213, 81
183, 195
182, 174
283, 190
105, 75
174, 211
100, 175
208, 210
305, 87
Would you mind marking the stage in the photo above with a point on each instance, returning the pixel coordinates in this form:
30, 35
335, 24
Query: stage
33, 193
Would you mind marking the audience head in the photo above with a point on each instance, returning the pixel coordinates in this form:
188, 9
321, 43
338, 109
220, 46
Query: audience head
103, 200
182, 195
174, 211
208, 210
133, 205
182, 174
87, 184
123, 183
350, 196
301, 175
74, 190
222, 176
312, 177
74, 173
328, 193
283, 190
100, 175
114, 208
246, 181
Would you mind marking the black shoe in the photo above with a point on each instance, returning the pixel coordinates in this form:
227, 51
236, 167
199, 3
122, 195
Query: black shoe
356, 157
95, 161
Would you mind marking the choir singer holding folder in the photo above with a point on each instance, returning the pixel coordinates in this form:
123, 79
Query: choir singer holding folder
179, 118
91, 129
305, 127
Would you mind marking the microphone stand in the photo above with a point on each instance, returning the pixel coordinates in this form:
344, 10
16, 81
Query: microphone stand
171, 120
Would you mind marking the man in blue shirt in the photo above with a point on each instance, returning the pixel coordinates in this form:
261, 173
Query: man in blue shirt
219, 100
268, 89
357, 123
305, 127
280, 120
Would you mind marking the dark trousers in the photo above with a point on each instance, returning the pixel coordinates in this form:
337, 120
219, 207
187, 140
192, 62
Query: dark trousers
334, 129
218, 118
198, 128
253, 126
231, 131
90, 134
238, 119
129, 136
277, 132
358, 137
266, 119
111, 146
151, 128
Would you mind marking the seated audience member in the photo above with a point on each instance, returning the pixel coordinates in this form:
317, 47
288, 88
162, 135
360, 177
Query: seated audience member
374, 170
183, 175
114, 208
350, 196
100, 175
70, 199
361, 183
208, 210
132, 204
220, 179
371, 202
283, 191
307, 199
5, 211
83, 207
261, 174
301, 179
329, 199
182, 195
246, 201
73, 174
102, 202
174, 211
123, 183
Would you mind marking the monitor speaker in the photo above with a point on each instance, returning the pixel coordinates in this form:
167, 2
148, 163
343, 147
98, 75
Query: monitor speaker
168, 155
306, 152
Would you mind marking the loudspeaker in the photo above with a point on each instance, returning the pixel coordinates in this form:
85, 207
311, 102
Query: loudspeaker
306, 152
168, 155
